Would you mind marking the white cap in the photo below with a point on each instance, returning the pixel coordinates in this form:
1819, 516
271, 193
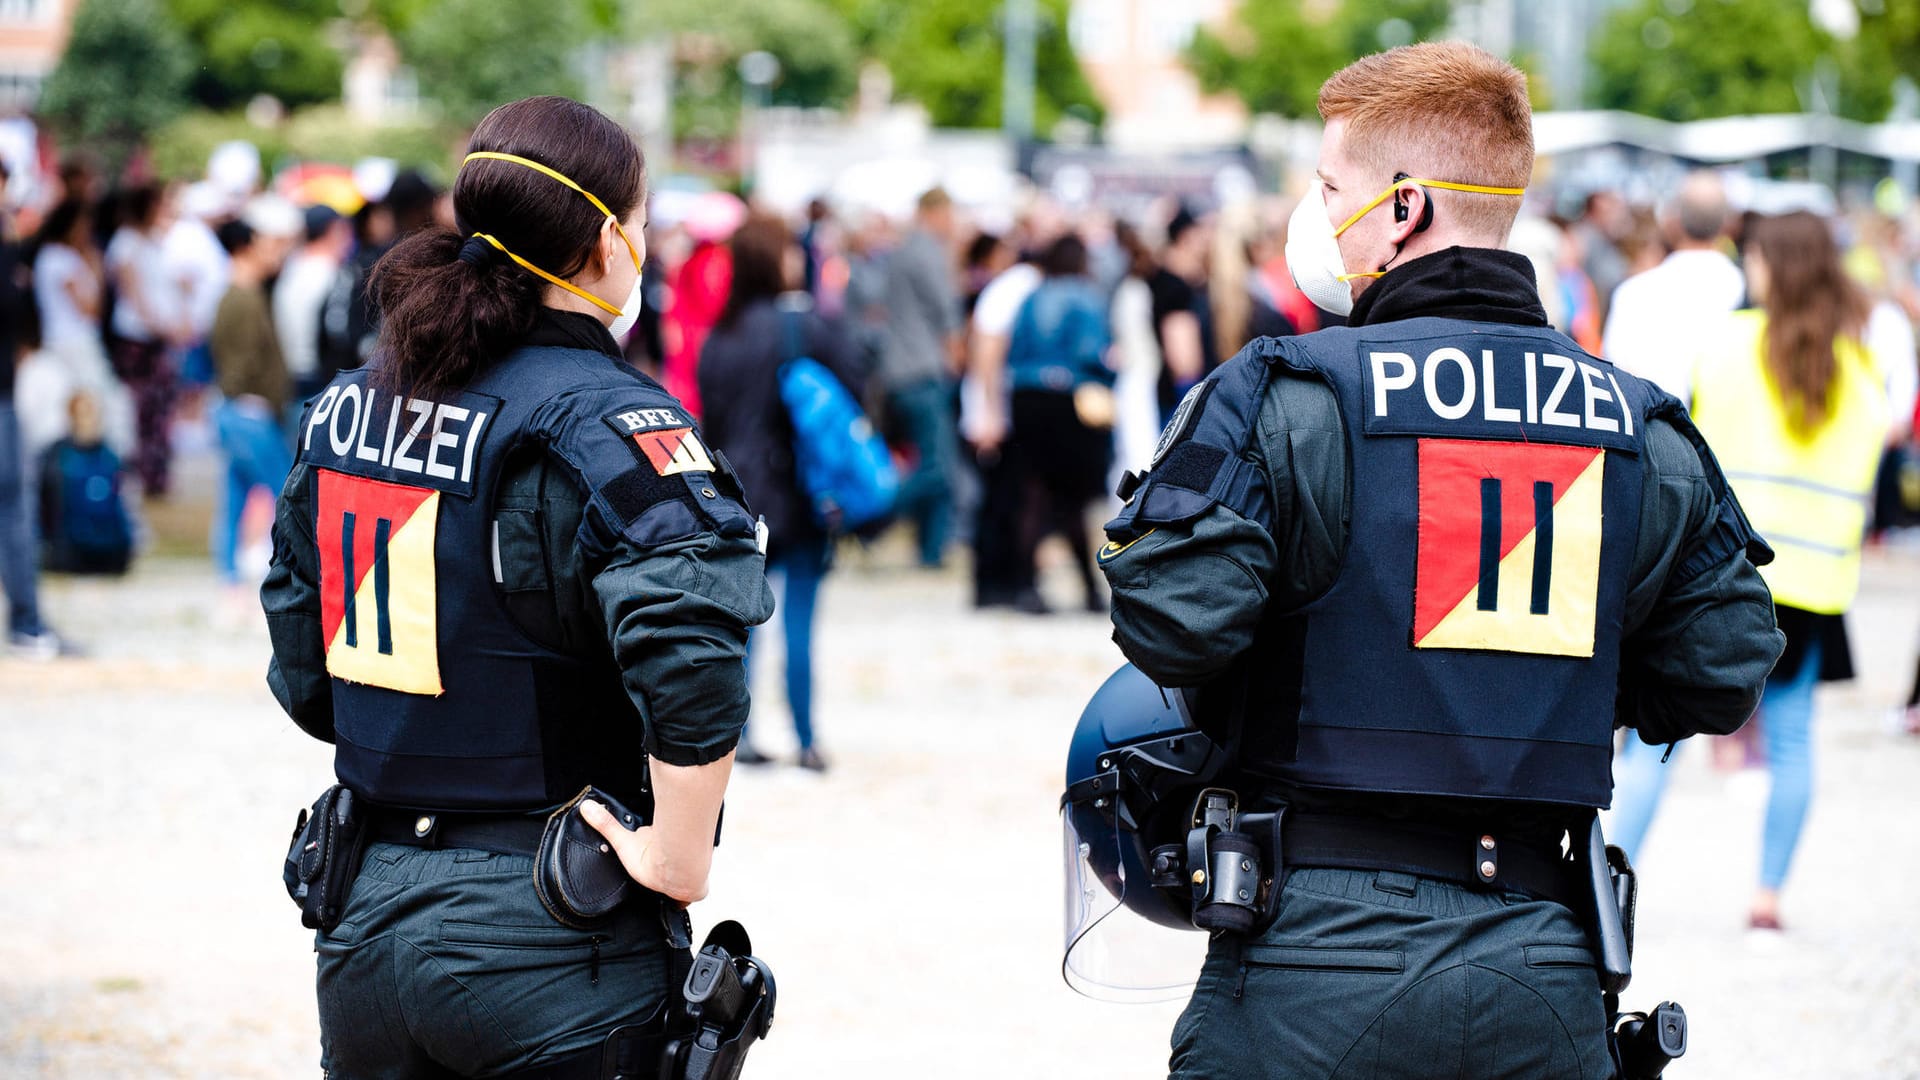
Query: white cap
234, 167
374, 177
272, 215
205, 201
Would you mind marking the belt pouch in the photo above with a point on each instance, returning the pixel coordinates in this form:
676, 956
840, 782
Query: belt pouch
578, 877
325, 858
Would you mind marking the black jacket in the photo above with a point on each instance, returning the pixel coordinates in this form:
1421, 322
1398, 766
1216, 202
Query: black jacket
1187, 601
740, 391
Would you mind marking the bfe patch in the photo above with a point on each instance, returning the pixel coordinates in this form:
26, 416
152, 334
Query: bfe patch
1509, 554
665, 439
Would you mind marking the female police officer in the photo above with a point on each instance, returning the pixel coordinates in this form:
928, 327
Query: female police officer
506, 567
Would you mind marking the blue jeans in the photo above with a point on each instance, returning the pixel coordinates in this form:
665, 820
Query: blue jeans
924, 412
257, 456
801, 567
1786, 707
19, 549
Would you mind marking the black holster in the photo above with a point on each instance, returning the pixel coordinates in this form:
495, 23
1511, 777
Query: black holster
324, 857
1613, 890
725, 1005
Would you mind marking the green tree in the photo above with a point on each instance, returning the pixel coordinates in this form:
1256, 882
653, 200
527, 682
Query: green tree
1274, 56
1695, 59
124, 75
250, 47
949, 56
471, 55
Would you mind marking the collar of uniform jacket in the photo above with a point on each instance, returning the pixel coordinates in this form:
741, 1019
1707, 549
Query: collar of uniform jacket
572, 330
1475, 284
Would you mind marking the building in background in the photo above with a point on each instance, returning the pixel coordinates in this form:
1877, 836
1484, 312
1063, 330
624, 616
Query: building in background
1131, 52
33, 34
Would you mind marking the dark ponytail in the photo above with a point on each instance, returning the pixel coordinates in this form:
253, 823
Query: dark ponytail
449, 305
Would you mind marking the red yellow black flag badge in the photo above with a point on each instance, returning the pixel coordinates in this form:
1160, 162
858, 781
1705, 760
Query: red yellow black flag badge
1509, 551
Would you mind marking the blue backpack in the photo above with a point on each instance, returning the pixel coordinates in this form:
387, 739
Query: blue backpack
841, 463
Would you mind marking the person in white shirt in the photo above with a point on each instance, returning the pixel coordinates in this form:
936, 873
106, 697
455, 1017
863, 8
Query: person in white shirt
69, 290
1137, 391
198, 267
302, 291
1656, 319
149, 319
984, 422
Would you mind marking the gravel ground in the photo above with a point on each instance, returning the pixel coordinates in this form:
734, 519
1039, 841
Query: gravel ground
909, 900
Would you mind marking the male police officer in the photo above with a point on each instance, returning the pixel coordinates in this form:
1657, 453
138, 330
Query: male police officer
1418, 569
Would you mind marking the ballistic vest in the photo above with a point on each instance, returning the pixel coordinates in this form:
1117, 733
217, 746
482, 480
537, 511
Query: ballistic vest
440, 699
1469, 645
1808, 494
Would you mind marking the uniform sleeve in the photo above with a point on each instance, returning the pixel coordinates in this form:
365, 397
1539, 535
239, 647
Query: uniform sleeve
1189, 596
677, 615
669, 548
297, 674
1187, 599
1700, 635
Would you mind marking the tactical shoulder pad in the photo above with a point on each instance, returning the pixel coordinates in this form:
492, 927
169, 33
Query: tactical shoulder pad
652, 479
1204, 458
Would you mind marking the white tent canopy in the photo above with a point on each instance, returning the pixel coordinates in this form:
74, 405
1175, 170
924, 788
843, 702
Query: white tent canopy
1733, 138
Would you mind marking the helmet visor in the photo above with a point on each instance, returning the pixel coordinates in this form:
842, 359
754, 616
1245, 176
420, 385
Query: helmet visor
1113, 954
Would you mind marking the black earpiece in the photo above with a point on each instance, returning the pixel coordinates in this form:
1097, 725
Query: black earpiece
1400, 209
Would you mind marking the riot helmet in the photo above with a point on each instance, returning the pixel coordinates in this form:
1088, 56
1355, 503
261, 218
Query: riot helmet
1133, 768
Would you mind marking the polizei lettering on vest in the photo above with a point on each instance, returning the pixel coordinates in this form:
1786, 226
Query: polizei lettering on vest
1468, 388
391, 432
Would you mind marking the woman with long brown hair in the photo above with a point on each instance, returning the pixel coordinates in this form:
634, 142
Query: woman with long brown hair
506, 567
1796, 409
768, 320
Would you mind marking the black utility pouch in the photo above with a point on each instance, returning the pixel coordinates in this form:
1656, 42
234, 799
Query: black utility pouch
324, 858
576, 873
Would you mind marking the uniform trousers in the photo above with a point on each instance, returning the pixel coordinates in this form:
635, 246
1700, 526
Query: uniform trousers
446, 965
1383, 975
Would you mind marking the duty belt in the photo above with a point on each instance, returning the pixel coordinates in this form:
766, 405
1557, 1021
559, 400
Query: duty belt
1461, 856
502, 834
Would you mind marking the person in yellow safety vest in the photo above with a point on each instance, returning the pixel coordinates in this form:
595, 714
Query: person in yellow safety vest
1796, 408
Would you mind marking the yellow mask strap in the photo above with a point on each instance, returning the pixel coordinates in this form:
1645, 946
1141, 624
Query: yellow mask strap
597, 204
537, 272
1383, 196
1447, 184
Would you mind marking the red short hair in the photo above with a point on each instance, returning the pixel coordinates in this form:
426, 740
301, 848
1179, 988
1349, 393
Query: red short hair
1443, 111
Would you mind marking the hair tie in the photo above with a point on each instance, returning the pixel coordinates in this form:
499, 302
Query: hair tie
477, 252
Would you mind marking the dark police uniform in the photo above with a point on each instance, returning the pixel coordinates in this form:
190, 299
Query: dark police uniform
486, 601
1420, 569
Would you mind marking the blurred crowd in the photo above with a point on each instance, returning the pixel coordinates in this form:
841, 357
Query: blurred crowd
1019, 362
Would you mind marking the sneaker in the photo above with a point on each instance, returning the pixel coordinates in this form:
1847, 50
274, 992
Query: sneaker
745, 754
45, 645
811, 760
1764, 922
1030, 602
